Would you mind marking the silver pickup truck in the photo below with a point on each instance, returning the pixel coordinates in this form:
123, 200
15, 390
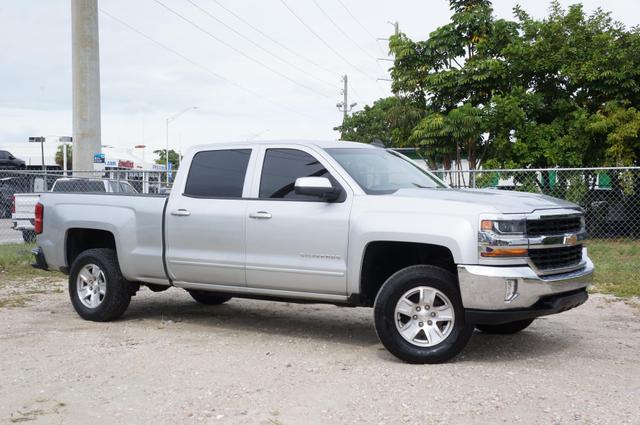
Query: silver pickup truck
327, 222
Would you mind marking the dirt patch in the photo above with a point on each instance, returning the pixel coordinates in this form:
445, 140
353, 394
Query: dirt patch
170, 360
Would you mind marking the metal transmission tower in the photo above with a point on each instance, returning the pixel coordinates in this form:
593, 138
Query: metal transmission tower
86, 83
344, 106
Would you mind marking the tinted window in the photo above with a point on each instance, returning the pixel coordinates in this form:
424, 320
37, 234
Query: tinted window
4, 155
218, 174
78, 186
281, 169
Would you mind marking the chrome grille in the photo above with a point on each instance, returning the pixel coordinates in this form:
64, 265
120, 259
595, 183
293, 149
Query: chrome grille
556, 258
553, 226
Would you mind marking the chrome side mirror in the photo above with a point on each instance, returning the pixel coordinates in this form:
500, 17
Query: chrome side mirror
320, 187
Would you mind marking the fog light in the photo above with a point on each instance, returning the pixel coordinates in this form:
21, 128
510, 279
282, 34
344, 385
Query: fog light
510, 290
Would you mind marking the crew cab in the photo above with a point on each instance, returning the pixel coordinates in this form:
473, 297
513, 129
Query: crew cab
327, 222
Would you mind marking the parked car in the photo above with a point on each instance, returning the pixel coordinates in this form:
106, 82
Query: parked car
326, 222
10, 162
23, 214
9, 186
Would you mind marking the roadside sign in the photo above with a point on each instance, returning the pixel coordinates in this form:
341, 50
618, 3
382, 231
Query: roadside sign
99, 162
36, 139
65, 139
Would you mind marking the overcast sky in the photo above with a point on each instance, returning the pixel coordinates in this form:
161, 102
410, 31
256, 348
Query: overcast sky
282, 89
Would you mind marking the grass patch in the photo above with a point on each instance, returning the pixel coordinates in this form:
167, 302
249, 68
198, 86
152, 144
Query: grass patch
19, 282
617, 267
15, 262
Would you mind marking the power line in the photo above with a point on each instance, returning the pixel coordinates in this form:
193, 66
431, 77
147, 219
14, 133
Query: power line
322, 40
202, 67
240, 52
360, 24
273, 40
343, 32
230, 28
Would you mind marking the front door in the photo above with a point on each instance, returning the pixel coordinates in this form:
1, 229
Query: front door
296, 242
205, 225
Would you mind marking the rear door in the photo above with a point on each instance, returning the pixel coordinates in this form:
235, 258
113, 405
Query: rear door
205, 222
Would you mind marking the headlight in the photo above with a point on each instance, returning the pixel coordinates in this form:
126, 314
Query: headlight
503, 227
502, 239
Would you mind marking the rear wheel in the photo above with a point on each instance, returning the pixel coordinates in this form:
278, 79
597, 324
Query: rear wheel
506, 328
97, 288
419, 316
208, 298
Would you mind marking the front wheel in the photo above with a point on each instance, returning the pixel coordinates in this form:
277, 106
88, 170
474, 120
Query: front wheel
97, 288
419, 316
506, 328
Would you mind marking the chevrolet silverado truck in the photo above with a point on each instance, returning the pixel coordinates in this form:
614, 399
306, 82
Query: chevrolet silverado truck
325, 222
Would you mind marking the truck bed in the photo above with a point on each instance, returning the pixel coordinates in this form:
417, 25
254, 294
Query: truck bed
134, 220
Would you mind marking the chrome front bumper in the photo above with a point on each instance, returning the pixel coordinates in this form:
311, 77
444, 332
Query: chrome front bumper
491, 287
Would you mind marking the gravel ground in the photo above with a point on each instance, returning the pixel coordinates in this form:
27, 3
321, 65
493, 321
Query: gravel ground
172, 361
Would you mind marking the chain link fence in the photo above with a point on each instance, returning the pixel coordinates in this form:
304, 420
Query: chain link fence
610, 197
19, 193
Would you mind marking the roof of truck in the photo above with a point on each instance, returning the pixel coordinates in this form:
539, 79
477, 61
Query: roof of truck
324, 144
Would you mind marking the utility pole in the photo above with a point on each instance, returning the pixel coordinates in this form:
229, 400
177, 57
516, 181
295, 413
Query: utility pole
344, 106
86, 83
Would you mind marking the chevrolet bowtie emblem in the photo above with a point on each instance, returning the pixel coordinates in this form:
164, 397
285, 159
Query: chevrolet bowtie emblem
570, 240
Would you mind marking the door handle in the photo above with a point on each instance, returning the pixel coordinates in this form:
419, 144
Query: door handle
181, 212
260, 215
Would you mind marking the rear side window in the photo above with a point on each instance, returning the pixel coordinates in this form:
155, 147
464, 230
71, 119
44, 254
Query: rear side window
281, 169
218, 174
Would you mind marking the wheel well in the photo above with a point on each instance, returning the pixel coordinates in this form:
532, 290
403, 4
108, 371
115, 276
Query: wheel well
79, 240
384, 258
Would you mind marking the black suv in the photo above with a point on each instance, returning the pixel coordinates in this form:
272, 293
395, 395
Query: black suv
10, 162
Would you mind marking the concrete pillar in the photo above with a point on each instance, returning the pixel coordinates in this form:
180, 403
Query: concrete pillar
86, 83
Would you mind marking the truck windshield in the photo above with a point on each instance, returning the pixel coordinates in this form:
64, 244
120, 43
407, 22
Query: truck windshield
380, 171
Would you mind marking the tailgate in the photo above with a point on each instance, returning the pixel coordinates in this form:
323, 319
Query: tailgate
25, 205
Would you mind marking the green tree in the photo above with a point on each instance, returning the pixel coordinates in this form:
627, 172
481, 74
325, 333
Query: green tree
453, 74
390, 120
60, 156
618, 128
174, 158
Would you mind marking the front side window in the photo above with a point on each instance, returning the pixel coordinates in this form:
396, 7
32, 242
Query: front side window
218, 173
280, 170
381, 171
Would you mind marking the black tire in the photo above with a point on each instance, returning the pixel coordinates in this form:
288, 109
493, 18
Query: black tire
117, 295
208, 298
385, 322
506, 328
29, 236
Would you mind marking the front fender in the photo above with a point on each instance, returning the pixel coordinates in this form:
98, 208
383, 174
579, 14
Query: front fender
455, 233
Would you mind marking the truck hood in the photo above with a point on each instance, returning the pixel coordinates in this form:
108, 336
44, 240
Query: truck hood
506, 202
